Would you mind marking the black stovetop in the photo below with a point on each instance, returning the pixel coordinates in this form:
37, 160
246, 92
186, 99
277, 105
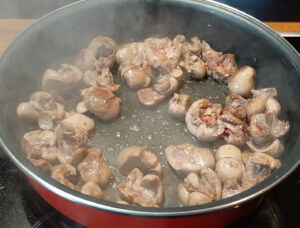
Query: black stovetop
21, 206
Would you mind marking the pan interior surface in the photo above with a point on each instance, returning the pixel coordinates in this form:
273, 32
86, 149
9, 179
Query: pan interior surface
57, 38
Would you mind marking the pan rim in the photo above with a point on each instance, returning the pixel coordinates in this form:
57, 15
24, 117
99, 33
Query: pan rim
69, 194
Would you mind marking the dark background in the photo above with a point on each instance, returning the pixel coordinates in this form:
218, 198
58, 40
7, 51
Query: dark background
266, 10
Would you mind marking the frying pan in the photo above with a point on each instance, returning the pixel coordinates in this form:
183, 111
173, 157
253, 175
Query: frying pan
58, 36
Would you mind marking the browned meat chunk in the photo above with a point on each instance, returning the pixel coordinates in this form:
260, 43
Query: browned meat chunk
242, 81
200, 189
179, 105
158, 43
145, 191
194, 66
201, 120
266, 127
85, 60
42, 108
42, 164
102, 79
36, 142
266, 93
209, 53
62, 172
237, 106
72, 137
136, 76
94, 168
132, 53
138, 157
150, 97
61, 81
221, 68
187, 158
192, 48
235, 129
92, 189
104, 49
102, 103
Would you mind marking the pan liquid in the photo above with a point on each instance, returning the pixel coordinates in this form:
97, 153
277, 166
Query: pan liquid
153, 129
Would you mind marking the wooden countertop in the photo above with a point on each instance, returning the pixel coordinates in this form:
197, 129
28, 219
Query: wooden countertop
10, 28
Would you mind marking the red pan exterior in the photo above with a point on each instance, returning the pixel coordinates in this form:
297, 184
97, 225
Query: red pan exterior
91, 217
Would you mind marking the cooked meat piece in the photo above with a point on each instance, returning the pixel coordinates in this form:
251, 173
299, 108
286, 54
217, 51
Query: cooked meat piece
256, 105
85, 60
178, 40
138, 157
229, 163
242, 81
102, 78
200, 189
237, 106
222, 67
275, 148
201, 120
145, 191
173, 53
90, 78
209, 53
265, 92
42, 108
186, 158
246, 155
62, 172
102, 103
92, 189
228, 168
104, 48
72, 138
150, 97
192, 48
48, 119
158, 59
158, 43
266, 127
34, 142
228, 151
259, 166
136, 76
122, 202
231, 187
194, 66
50, 154
273, 106
80, 120
94, 168
179, 105
42, 164
235, 129
165, 85
131, 53
106, 80
61, 81
27, 111
81, 107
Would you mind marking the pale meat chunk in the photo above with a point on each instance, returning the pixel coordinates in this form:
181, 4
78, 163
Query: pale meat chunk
186, 158
62, 173
92, 189
94, 168
146, 191
200, 189
179, 105
138, 157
